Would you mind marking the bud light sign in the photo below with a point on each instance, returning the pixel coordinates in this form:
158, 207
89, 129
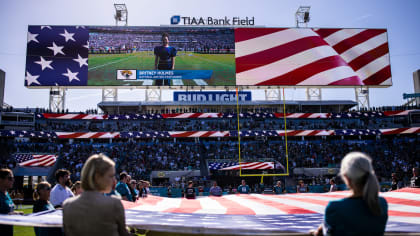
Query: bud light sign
211, 96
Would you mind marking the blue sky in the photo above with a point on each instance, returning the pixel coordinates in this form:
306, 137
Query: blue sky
401, 18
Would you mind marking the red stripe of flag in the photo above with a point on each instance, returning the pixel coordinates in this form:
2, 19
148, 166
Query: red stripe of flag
171, 115
51, 116
304, 72
71, 135
369, 56
395, 131
98, 134
79, 117
278, 53
391, 113
183, 134
357, 39
326, 32
325, 203
292, 133
242, 34
232, 207
347, 81
379, 77
187, 206
289, 209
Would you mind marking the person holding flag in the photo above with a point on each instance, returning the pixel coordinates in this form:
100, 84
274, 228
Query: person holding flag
243, 188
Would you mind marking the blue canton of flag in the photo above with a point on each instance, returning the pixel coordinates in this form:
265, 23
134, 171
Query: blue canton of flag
57, 56
27, 134
221, 165
343, 132
145, 134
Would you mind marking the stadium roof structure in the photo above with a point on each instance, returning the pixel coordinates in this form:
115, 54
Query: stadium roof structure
112, 107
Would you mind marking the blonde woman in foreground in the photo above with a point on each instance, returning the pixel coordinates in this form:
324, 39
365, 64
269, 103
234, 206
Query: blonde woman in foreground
362, 213
93, 213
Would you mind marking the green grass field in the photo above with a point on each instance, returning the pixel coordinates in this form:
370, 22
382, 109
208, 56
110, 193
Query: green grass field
102, 68
24, 230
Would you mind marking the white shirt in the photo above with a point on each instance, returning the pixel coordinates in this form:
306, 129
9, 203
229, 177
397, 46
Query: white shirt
59, 194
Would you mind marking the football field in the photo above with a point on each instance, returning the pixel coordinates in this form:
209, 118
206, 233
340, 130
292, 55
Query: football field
103, 68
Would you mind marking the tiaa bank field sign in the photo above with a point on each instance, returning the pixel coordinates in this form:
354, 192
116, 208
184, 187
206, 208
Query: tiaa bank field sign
211, 96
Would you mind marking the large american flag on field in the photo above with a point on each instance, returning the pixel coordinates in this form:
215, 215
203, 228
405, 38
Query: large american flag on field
304, 56
57, 56
35, 160
242, 214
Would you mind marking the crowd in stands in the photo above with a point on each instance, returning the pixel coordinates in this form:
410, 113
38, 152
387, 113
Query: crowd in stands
221, 124
139, 158
184, 110
204, 42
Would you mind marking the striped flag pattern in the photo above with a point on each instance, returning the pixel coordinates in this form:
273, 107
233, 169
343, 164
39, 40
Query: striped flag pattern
73, 116
246, 214
204, 134
88, 134
413, 130
35, 160
196, 134
244, 165
342, 115
290, 56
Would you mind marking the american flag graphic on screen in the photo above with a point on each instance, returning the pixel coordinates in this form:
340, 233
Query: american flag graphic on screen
293, 56
57, 56
35, 160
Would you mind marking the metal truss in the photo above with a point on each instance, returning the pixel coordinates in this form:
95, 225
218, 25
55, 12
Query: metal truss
154, 95
109, 95
362, 98
57, 101
313, 94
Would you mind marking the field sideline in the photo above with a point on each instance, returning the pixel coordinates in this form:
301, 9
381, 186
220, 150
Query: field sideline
102, 68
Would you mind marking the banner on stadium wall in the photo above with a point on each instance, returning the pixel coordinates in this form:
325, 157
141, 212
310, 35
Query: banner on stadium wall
211, 96
83, 56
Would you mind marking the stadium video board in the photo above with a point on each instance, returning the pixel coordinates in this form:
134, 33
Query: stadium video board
84, 56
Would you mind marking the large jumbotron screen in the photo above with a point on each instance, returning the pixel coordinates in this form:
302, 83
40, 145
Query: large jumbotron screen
84, 56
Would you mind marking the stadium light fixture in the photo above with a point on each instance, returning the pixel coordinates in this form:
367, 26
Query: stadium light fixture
121, 14
302, 16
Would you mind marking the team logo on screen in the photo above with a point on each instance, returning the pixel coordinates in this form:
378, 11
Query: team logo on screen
126, 74
175, 20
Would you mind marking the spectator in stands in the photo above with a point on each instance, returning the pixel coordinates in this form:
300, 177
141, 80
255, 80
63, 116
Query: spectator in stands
396, 183
122, 187
133, 190
6, 203
114, 192
278, 189
243, 188
190, 191
216, 190
169, 191
302, 187
164, 58
93, 213
77, 188
61, 192
147, 187
333, 186
141, 189
415, 180
364, 212
41, 197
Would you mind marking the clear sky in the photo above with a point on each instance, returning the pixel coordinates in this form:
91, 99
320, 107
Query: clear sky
401, 18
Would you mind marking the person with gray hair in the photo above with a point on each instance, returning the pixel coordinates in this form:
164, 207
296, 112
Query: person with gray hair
363, 212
